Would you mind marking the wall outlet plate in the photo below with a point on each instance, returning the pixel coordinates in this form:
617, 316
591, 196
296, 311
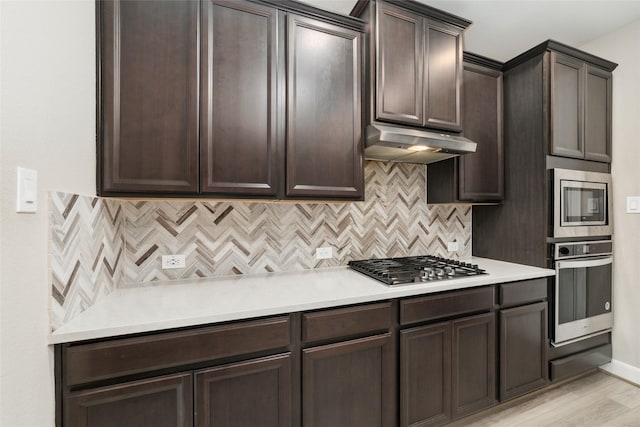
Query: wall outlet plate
324, 253
173, 261
452, 246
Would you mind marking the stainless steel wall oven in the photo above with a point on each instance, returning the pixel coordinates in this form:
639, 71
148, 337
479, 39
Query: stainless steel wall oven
583, 290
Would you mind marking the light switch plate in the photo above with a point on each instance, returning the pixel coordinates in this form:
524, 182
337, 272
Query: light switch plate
452, 246
633, 204
27, 191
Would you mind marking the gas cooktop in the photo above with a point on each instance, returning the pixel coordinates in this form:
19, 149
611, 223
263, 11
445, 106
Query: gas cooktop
415, 269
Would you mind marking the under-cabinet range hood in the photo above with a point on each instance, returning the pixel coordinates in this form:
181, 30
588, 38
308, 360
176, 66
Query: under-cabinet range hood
398, 144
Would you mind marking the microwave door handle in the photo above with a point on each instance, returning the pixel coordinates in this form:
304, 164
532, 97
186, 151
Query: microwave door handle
591, 262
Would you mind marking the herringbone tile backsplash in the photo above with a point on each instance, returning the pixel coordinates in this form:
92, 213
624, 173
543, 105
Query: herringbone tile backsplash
86, 251
228, 238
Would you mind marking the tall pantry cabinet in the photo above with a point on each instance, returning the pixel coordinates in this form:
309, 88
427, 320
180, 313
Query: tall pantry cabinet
557, 114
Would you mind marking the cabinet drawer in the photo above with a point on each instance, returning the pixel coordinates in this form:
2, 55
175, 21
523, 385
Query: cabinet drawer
576, 364
523, 292
344, 322
446, 305
160, 401
92, 362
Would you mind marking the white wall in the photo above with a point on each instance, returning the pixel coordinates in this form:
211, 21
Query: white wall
1, 207
622, 47
47, 123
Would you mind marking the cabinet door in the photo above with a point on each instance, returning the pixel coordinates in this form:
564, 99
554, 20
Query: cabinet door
474, 364
567, 101
324, 130
246, 394
597, 135
425, 375
523, 349
148, 99
238, 102
157, 402
442, 75
399, 65
482, 173
349, 384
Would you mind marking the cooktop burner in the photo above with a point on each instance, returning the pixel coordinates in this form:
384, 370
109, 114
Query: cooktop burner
415, 269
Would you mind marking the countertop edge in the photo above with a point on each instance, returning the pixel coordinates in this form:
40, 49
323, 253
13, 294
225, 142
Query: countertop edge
74, 333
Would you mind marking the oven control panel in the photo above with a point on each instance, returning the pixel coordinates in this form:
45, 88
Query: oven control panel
582, 249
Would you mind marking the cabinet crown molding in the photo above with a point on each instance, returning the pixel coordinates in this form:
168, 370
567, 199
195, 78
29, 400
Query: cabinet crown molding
552, 45
420, 8
474, 58
350, 22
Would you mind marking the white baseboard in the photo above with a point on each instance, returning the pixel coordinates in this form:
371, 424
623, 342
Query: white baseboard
623, 370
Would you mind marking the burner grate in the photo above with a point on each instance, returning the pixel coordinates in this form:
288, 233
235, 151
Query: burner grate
415, 269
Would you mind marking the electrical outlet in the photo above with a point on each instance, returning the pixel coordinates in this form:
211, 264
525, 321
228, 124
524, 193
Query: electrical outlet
452, 246
324, 253
173, 261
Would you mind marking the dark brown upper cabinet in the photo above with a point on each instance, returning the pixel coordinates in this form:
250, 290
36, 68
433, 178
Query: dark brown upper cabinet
399, 80
597, 114
324, 153
442, 75
148, 92
580, 105
416, 63
238, 103
477, 177
225, 98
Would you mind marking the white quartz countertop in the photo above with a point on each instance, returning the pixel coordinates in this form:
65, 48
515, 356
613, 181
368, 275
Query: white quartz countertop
203, 301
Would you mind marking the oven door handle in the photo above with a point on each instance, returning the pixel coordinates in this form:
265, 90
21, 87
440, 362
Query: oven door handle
591, 262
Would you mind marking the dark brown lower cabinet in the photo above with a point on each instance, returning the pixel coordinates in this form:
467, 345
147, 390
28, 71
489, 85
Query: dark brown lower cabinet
235, 374
425, 375
474, 364
334, 367
447, 370
349, 384
245, 394
523, 350
157, 402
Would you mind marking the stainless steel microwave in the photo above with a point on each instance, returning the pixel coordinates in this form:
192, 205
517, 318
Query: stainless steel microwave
581, 204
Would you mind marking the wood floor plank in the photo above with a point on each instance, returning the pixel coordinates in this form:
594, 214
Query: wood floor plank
628, 419
594, 400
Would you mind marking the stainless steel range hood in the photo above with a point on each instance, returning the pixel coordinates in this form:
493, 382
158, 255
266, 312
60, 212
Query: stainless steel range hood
398, 144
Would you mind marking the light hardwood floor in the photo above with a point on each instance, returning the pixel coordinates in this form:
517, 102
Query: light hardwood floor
595, 400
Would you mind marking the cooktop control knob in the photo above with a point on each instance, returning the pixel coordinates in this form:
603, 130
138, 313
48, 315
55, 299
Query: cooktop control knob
563, 250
